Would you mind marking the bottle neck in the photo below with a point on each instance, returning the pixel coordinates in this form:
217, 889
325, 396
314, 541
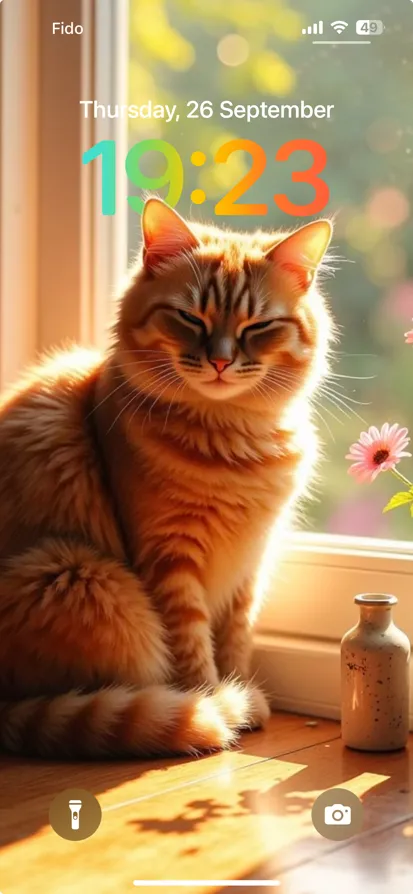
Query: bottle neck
376, 617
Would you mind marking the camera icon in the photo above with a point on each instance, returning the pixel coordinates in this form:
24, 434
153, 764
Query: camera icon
337, 815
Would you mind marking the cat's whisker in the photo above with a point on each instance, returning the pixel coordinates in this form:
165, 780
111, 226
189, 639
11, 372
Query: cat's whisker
261, 390
345, 397
272, 389
195, 270
315, 410
339, 400
160, 365
131, 399
346, 354
170, 382
355, 378
143, 362
125, 382
340, 405
154, 380
173, 398
147, 351
336, 385
338, 408
273, 377
289, 375
324, 421
107, 396
147, 395
285, 383
327, 410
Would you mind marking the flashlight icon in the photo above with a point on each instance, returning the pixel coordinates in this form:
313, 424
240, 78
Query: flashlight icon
75, 807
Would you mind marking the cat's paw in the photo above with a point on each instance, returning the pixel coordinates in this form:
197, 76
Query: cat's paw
259, 707
243, 706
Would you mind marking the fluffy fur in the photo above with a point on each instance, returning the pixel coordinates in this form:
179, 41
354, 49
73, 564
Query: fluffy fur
139, 490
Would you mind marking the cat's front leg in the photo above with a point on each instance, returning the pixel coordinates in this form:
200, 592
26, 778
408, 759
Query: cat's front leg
233, 637
233, 649
180, 598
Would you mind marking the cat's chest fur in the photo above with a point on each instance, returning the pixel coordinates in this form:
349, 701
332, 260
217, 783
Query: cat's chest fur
212, 508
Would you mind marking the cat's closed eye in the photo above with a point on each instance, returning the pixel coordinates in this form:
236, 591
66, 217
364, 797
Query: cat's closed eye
264, 330
258, 327
191, 318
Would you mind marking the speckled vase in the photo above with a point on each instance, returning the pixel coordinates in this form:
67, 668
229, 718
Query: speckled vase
375, 678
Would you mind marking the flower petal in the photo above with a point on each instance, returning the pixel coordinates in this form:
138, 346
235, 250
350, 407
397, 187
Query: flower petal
357, 450
365, 438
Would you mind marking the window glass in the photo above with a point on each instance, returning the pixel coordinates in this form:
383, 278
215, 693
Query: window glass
195, 62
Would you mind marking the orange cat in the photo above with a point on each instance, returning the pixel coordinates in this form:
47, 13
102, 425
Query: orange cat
138, 491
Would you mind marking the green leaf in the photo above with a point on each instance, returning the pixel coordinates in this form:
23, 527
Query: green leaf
400, 499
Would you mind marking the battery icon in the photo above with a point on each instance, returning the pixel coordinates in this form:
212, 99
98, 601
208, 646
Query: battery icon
369, 26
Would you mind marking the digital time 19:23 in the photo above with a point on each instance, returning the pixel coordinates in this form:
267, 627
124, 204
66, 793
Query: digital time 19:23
173, 176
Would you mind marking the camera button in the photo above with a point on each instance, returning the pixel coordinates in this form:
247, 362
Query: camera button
337, 814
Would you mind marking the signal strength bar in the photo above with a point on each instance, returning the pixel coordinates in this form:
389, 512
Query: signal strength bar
317, 28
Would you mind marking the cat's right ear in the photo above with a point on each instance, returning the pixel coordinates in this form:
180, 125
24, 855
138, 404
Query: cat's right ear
165, 234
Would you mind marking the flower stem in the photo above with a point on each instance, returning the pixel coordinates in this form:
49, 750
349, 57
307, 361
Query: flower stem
401, 477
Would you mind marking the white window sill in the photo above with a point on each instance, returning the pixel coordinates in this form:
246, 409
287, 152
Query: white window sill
312, 591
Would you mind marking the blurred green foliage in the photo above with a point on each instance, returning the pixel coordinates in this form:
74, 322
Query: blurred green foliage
174, 58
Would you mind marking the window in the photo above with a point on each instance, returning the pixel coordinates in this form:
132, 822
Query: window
186, 54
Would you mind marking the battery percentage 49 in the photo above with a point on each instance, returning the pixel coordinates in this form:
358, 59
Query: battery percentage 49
369, 26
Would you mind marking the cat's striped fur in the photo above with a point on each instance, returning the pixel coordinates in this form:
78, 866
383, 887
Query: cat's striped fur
139, 490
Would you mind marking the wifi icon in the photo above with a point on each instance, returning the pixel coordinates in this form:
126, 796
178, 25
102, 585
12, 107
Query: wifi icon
339, 27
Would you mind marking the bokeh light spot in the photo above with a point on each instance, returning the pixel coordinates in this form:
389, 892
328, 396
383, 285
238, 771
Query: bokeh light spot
272, 74
233, 50
361, 233
386, 263
399, 300
388, 208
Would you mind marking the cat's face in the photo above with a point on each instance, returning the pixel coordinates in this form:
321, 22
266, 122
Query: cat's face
224, 315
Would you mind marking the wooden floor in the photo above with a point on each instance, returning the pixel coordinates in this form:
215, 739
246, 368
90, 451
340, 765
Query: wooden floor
244, 814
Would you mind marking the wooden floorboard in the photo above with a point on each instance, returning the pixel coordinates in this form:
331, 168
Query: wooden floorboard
244, 814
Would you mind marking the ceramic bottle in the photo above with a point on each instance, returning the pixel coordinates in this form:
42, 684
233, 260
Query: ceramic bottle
375, 678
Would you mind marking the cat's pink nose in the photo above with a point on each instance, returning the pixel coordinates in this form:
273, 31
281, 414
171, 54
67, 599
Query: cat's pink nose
220, 364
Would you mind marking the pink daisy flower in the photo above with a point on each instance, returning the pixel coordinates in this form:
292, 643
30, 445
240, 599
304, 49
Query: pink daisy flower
408, 337
377, 451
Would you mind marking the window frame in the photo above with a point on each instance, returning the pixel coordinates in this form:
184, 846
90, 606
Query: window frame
19, 90
61, 260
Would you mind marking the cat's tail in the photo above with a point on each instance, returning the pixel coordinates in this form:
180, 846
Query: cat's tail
119, 721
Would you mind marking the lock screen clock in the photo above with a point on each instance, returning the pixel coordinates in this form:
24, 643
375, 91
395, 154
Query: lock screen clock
173, 176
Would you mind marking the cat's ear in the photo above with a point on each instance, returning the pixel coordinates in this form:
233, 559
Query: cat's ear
302, 252
165, 233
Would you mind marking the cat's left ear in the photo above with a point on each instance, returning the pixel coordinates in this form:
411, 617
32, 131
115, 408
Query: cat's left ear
165, 233
302, 252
